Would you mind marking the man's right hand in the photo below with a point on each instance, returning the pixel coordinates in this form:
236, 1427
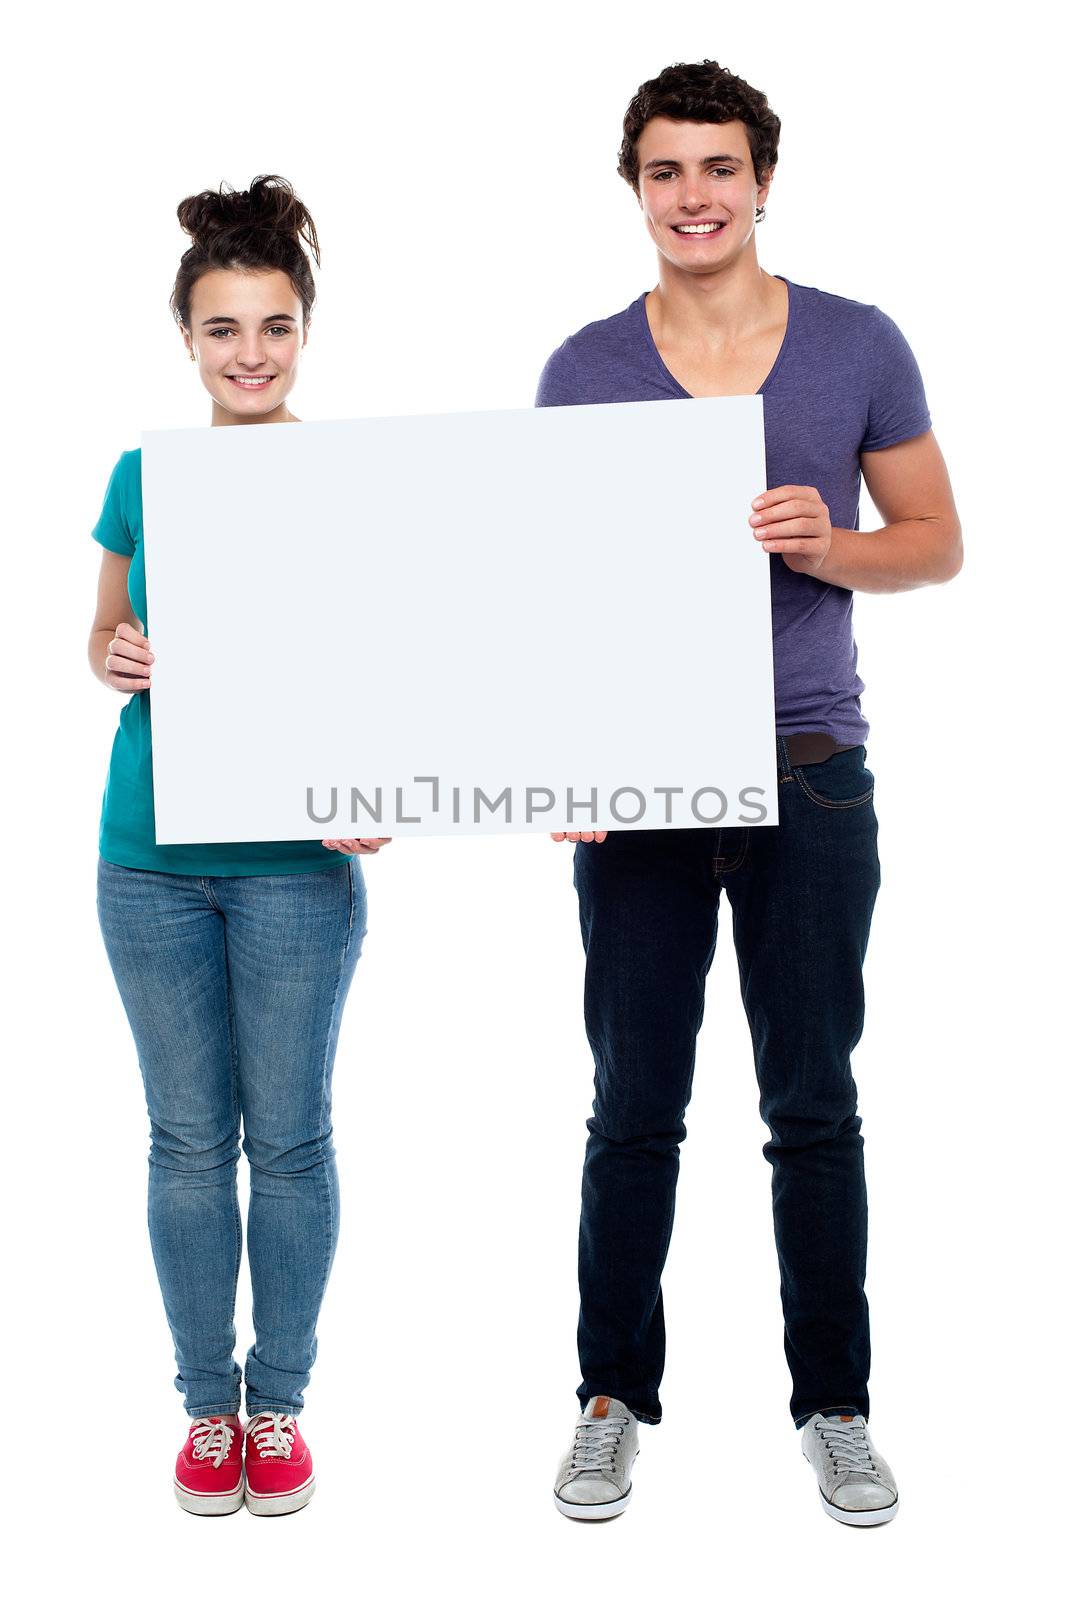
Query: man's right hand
582, 838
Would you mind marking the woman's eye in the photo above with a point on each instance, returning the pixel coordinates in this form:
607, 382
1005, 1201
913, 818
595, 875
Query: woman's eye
220, 333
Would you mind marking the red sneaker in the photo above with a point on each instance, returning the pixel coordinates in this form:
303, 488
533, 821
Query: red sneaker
209, 1476
279, 1466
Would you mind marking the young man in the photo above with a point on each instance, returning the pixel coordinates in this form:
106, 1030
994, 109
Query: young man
843, 398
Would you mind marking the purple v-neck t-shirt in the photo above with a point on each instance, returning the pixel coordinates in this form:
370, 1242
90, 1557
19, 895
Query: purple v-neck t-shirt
844, 381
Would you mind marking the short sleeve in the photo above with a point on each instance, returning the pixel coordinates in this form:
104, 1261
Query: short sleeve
898, 409
113, 530
557, 386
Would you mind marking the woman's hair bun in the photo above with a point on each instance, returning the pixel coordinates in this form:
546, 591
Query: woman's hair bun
261, 229
270, 204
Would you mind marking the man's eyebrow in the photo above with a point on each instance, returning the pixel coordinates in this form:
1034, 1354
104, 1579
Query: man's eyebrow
707, 161
280, 316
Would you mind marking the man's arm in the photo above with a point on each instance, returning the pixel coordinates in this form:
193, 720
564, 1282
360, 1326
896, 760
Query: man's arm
921, 542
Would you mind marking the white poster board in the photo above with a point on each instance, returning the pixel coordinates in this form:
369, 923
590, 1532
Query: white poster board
470, 623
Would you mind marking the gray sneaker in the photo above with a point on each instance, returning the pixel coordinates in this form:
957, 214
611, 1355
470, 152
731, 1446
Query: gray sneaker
595, 1475
857, 1485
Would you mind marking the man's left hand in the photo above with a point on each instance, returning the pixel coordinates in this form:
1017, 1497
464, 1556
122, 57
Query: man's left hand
793, 520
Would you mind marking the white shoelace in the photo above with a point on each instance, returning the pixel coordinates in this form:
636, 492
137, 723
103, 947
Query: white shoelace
847, 1446
596, 1444
274, 1433
212, 1438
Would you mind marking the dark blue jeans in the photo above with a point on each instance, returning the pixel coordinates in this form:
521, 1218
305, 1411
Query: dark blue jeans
802, 898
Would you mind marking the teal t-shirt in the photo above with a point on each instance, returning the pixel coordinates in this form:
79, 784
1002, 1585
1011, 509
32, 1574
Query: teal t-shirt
127, 822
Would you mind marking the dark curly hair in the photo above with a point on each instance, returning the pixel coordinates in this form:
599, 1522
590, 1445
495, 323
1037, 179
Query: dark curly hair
255, 230
700, 91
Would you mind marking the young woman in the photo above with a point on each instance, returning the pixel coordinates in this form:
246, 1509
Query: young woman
233, 961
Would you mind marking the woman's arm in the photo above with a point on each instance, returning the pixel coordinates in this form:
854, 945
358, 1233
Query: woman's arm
116, 633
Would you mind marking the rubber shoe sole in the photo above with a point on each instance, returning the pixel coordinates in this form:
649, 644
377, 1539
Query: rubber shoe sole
279, 1505
209, 1505
860, 1519
594, 1513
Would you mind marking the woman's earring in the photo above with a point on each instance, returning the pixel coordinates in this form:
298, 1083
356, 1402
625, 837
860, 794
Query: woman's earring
192, 355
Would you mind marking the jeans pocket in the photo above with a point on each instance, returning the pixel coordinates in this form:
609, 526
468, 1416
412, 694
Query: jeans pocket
840, 783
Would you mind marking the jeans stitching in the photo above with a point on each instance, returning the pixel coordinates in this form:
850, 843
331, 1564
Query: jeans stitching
234, 1082
205, 885
721, 865
331, 1235
831, 805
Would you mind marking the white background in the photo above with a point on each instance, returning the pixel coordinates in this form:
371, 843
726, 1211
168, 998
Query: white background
459, 162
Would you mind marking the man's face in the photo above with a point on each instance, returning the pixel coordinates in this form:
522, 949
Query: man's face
698, 191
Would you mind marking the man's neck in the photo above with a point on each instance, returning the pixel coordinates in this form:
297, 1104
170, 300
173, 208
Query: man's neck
716, 310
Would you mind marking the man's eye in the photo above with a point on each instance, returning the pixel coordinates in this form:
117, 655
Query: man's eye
726, 170
220, 333
279, 328
659, 175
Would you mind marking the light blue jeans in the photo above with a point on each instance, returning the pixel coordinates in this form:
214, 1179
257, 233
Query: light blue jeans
234, 989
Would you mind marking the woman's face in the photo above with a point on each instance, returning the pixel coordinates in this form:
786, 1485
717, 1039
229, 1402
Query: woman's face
246, 334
